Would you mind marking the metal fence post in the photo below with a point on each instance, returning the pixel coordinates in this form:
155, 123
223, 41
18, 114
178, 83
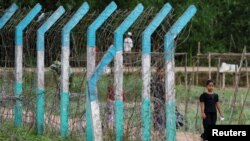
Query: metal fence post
91, 58
64, 93
40, 67
118, 39
146, 73
170, 72
19, 61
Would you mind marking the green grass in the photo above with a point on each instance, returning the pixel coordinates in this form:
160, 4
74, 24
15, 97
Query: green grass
132, 88
225, 97
9, 133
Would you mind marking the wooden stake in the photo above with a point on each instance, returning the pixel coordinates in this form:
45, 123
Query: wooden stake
218, 73
198, 63
209, 64
186, 83
247, 72
223, 80
237, 77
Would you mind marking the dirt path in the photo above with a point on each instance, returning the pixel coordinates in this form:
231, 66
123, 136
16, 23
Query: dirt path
186, 136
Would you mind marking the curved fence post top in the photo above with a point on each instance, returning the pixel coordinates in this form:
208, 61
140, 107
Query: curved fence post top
52, 19
8, 14
158, 19
24, 23
125, 25
91, 39
146, 35
84, 8
176, 29
48, 23
181, 22
29, 17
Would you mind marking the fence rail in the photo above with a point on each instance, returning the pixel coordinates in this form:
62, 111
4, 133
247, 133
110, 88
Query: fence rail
24, 45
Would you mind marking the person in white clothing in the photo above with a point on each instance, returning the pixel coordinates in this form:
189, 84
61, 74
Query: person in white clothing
128, 42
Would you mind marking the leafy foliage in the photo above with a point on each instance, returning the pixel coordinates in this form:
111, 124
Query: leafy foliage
220, 26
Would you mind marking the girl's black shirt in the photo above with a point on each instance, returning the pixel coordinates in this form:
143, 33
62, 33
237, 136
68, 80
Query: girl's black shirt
209, 102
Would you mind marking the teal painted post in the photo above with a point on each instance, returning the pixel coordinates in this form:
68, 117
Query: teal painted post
146, 64
40, 67
170, 94
8, 14
170, 73
118, 44
95, 111
91, 54
19, 60
64, 93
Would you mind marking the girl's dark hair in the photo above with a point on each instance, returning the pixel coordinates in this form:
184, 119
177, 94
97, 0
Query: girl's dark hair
209, 81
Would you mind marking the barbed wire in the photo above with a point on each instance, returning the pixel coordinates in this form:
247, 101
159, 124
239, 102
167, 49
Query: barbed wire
77, 123
78, 35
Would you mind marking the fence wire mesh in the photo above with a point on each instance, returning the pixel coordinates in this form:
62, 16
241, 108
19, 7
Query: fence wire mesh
187, 97
77, 124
